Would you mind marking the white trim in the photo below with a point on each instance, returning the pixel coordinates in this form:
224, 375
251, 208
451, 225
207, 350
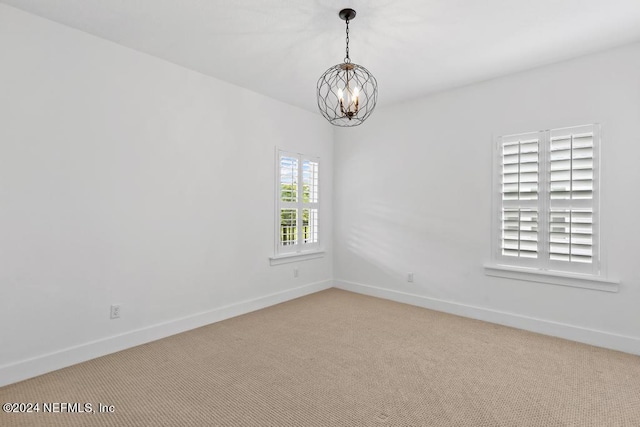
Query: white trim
561, 278
39, 365
594, 337
295, 257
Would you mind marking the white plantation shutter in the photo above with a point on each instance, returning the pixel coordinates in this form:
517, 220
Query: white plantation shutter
310, 201
297, 200
519, 187
573, 199
548, 200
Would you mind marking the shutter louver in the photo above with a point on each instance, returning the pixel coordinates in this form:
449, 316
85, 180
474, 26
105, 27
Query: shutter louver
288, 179
520, 185
288, 229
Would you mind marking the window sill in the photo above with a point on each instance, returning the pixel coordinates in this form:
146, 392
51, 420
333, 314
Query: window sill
553, 277
295, 257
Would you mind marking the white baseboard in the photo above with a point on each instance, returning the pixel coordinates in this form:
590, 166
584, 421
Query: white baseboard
39, 365
594, 337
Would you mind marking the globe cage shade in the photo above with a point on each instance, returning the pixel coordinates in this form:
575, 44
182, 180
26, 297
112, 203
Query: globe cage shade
347, 94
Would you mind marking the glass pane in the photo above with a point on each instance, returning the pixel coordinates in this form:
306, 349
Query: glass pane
310, 225
288, 229
288, 179
309, 181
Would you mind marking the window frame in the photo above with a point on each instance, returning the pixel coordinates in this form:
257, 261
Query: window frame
300, 250
543, 269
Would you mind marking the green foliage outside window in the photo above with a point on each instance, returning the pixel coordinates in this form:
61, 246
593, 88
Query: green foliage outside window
288, 226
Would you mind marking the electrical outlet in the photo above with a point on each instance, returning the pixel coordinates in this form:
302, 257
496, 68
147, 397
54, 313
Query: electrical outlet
296, 272
115, 311
410, 277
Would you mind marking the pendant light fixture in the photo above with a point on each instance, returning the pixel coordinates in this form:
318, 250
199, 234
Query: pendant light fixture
347, 92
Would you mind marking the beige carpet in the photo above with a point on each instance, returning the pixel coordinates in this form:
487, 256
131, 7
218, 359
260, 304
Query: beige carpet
340, 359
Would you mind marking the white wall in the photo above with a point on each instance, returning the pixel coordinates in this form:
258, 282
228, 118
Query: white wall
126, 179
413, 194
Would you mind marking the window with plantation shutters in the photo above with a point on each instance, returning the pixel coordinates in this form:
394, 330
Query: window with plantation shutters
297, 210
547, 201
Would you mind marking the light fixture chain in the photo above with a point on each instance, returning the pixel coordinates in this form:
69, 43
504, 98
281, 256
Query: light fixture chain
346, 58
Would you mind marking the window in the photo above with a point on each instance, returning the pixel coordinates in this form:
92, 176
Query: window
546, 208
297, 204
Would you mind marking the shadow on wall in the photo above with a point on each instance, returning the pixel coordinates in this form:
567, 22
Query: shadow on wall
395, 239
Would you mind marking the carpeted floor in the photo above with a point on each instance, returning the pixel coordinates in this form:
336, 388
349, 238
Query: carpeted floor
341, 359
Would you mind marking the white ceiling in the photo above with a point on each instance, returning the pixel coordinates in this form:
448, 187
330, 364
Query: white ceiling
413, 47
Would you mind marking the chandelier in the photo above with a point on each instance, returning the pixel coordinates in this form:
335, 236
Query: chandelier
347, 92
